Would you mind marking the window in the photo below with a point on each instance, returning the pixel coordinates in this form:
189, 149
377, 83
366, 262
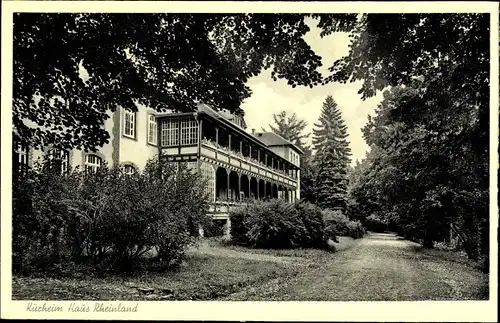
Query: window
92, 163
189, 131
295, 158
59, 160
169, 132
20, 160
129, 124
152, 129
129, 169
208, 175
238, 120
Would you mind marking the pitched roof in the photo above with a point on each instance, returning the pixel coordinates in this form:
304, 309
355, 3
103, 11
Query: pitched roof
273, 139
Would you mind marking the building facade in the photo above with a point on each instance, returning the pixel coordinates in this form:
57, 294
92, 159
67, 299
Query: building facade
237, 165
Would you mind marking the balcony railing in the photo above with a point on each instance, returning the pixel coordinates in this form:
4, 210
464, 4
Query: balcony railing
248, 159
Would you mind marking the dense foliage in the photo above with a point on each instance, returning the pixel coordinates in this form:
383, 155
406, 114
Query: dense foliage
308, 176
341, 225
274, 224
376, 224
324, 178
107, 219
278, 224
71, 70
427, 173
423, 177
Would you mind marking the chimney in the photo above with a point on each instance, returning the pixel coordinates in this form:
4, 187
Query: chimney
253, 131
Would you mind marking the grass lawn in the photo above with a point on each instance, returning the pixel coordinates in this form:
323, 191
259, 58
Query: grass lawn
211, 271
202, 278
344, 243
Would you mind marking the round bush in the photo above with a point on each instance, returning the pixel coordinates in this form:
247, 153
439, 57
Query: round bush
278, 224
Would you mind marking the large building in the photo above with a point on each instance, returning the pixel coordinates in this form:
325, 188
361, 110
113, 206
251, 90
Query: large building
236, 164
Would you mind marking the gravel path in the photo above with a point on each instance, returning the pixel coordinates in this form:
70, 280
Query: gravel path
381, 267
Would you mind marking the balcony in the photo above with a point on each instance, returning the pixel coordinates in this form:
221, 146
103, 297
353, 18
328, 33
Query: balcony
235, 158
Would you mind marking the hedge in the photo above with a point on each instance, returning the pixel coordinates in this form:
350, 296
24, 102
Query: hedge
278, 224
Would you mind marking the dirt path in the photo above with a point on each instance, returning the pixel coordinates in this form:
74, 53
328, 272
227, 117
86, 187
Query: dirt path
381, 267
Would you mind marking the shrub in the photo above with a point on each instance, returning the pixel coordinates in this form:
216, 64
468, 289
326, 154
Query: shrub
337, 224
215, 228
238, 218
313, 234
277, 224
109, 218
270, 224
356, 229
40, 217
273, 224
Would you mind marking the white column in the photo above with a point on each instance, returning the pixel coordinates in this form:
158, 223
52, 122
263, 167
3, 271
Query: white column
298, 184
214, 170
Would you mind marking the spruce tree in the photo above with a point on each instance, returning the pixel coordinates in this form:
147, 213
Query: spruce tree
332, 157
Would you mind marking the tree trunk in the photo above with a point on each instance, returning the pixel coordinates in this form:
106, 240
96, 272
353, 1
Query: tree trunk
474, 242
484, 250
428, 243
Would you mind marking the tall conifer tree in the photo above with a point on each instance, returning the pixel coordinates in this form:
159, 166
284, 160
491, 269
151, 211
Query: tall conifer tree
332, 157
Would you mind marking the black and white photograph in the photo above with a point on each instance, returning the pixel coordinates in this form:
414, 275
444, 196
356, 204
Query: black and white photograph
242, 153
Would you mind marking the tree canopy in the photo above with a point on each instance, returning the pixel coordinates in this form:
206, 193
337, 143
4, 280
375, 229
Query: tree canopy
401, 49
164, 61
427, 171
290, 127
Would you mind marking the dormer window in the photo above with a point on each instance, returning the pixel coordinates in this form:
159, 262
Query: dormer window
237, 120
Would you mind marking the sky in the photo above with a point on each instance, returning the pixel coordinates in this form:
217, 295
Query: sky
271, 97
